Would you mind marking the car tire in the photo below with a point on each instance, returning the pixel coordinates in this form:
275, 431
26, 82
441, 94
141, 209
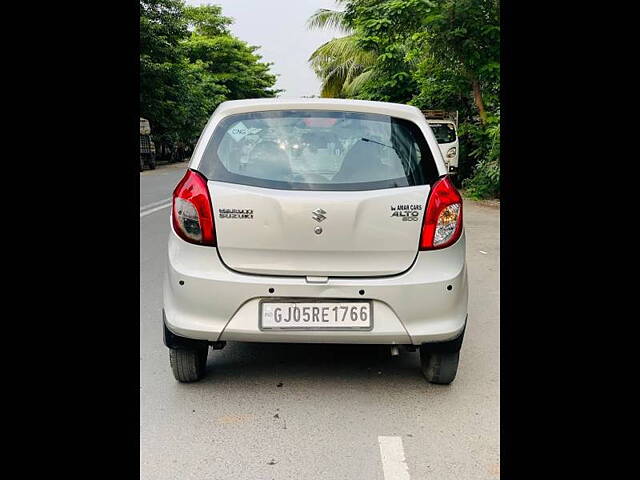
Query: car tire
439, 368
188, 365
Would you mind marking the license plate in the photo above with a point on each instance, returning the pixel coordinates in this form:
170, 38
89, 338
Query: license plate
316, 315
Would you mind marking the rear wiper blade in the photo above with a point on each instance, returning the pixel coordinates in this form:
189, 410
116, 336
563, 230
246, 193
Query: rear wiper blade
374, 141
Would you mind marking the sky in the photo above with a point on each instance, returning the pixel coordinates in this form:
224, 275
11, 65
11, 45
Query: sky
279, 27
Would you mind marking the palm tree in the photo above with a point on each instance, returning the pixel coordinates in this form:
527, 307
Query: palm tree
340, 63
326, 18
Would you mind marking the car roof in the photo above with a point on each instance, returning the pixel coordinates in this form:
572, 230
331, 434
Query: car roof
366, 106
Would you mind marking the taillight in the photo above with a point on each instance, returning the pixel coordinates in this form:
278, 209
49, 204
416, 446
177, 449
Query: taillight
442, 222
192, 212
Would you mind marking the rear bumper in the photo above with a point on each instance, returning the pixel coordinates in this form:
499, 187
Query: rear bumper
427, 303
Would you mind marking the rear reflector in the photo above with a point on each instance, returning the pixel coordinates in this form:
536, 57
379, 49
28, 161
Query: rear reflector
442, 223
192, 214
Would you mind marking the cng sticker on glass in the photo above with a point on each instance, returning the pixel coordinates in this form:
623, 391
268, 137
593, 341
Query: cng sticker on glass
238, 131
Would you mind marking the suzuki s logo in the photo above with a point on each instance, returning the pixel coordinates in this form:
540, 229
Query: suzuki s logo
319, 214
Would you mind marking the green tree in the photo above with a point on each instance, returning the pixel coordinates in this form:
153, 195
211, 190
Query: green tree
343, 66
434, 54
207, 20
189, 64
162, 27
416, 43
233, 64
464, 37
341, 63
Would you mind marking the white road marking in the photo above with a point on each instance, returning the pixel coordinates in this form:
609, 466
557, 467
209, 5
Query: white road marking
148, 212
394, 465
164, 200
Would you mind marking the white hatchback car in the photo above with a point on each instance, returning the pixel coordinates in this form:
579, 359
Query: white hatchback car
316, 221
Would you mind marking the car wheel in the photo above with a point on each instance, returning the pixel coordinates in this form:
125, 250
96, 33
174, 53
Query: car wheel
188, 365
440, 368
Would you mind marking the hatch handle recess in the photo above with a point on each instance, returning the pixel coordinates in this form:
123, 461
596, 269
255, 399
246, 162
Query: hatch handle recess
317, 279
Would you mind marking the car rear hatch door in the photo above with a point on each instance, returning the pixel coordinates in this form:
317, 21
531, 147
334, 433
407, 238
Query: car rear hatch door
318, 193
283, 232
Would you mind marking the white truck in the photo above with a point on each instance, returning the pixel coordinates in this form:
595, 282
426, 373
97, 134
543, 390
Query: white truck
445, 128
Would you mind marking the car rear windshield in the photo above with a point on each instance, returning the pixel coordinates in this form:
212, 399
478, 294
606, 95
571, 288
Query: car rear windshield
444, 132
318, 150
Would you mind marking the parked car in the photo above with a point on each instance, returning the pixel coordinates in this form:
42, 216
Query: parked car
353, 235
445, 127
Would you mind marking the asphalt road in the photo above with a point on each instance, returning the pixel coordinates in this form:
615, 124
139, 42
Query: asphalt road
273, 411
